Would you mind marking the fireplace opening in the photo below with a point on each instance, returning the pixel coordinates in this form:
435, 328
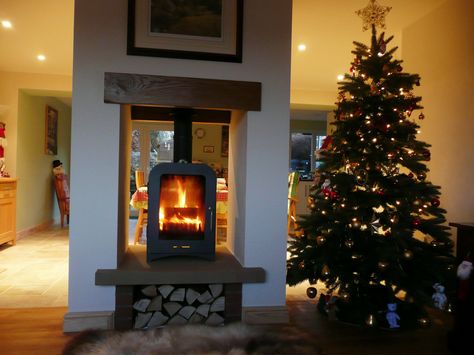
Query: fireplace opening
182, 213
181, 200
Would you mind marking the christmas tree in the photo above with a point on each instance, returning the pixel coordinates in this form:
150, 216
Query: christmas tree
376, 234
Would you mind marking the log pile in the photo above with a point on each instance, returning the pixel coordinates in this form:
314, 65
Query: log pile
161, 305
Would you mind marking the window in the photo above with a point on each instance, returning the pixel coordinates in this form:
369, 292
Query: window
302, 158
152, 143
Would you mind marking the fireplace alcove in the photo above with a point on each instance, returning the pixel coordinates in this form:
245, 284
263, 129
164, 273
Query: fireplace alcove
132, 268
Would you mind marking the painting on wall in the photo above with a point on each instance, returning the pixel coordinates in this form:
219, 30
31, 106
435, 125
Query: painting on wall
51, 131
189, 29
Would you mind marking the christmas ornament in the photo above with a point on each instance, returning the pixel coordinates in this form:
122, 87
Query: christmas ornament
382, 265
391, 316
407, 254
321, 240
325, 271
394, 219
355, 224
439, 298
376, 226
417, 202
464, 274
427, 155
371, 321
421, 116
373, 14
421, 176
311, 292
435, 202
416, 222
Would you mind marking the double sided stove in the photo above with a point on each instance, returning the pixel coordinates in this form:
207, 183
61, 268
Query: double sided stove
181, 201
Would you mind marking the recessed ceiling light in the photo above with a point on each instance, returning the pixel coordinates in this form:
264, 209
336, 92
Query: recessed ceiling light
41, 57
302, 47
340, 77
6, 24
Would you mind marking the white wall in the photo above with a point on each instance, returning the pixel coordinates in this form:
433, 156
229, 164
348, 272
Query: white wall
100, 46
440, 48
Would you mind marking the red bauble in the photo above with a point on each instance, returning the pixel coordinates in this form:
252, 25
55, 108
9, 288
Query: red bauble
427, 155
416, 222
435, 202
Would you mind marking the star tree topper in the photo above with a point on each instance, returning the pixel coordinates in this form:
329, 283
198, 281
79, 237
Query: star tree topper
373, 14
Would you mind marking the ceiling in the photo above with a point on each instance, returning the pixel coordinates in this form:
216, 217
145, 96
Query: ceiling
326, 27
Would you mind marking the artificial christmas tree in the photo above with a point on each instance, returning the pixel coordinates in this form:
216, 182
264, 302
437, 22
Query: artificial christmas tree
376, 233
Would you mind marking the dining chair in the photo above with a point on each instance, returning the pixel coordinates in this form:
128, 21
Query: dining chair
142, 212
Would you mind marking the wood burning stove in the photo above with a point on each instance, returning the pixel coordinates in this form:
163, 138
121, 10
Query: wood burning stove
181, 211
181, 201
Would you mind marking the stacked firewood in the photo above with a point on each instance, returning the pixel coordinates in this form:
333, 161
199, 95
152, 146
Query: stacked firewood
174, 305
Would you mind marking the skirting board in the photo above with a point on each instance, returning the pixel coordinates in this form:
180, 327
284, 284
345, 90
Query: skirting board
42, 226
79, 321
265, 315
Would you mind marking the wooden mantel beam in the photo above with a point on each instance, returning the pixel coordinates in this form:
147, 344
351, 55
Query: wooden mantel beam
138, 89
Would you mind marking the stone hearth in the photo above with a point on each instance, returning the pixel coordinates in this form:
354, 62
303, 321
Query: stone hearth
134, 273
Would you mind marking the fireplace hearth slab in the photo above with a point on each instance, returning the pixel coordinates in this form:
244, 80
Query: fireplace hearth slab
134, 270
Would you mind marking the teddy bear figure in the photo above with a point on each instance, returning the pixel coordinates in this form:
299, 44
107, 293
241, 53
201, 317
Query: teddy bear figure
392, 316
439, 298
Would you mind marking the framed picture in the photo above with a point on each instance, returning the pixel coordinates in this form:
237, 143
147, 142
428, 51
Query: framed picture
208, 149
189, 29
225, 141
51, 131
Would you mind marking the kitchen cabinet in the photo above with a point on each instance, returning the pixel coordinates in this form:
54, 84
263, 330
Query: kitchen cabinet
7, 210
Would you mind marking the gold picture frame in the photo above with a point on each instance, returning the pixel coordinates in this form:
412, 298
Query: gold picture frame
188, 29
51, 131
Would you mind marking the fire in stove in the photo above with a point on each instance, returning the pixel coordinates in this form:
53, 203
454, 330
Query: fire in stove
182, 205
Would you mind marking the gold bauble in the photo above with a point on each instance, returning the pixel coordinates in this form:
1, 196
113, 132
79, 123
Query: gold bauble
321, 240
382, 265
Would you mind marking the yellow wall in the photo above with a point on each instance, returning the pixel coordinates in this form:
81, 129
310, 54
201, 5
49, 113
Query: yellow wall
440, 48
213, 141
36, 199
10, 85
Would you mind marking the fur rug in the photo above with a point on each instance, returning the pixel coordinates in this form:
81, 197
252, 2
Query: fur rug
235, 339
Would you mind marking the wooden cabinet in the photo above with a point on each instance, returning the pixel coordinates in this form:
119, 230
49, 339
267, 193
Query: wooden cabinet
7, 210
464, 240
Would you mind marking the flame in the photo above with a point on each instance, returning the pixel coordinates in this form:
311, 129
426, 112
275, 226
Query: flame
181, 194
176, 214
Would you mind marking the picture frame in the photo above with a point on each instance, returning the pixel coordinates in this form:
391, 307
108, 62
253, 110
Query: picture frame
208, 149
51, 131
200, 30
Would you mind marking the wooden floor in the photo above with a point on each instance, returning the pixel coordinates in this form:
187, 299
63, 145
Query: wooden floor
39, 331
32, 331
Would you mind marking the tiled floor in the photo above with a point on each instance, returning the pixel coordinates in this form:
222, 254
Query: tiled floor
34, 272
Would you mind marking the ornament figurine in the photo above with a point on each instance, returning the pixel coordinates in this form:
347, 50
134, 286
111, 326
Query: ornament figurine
392, 316
439, 298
